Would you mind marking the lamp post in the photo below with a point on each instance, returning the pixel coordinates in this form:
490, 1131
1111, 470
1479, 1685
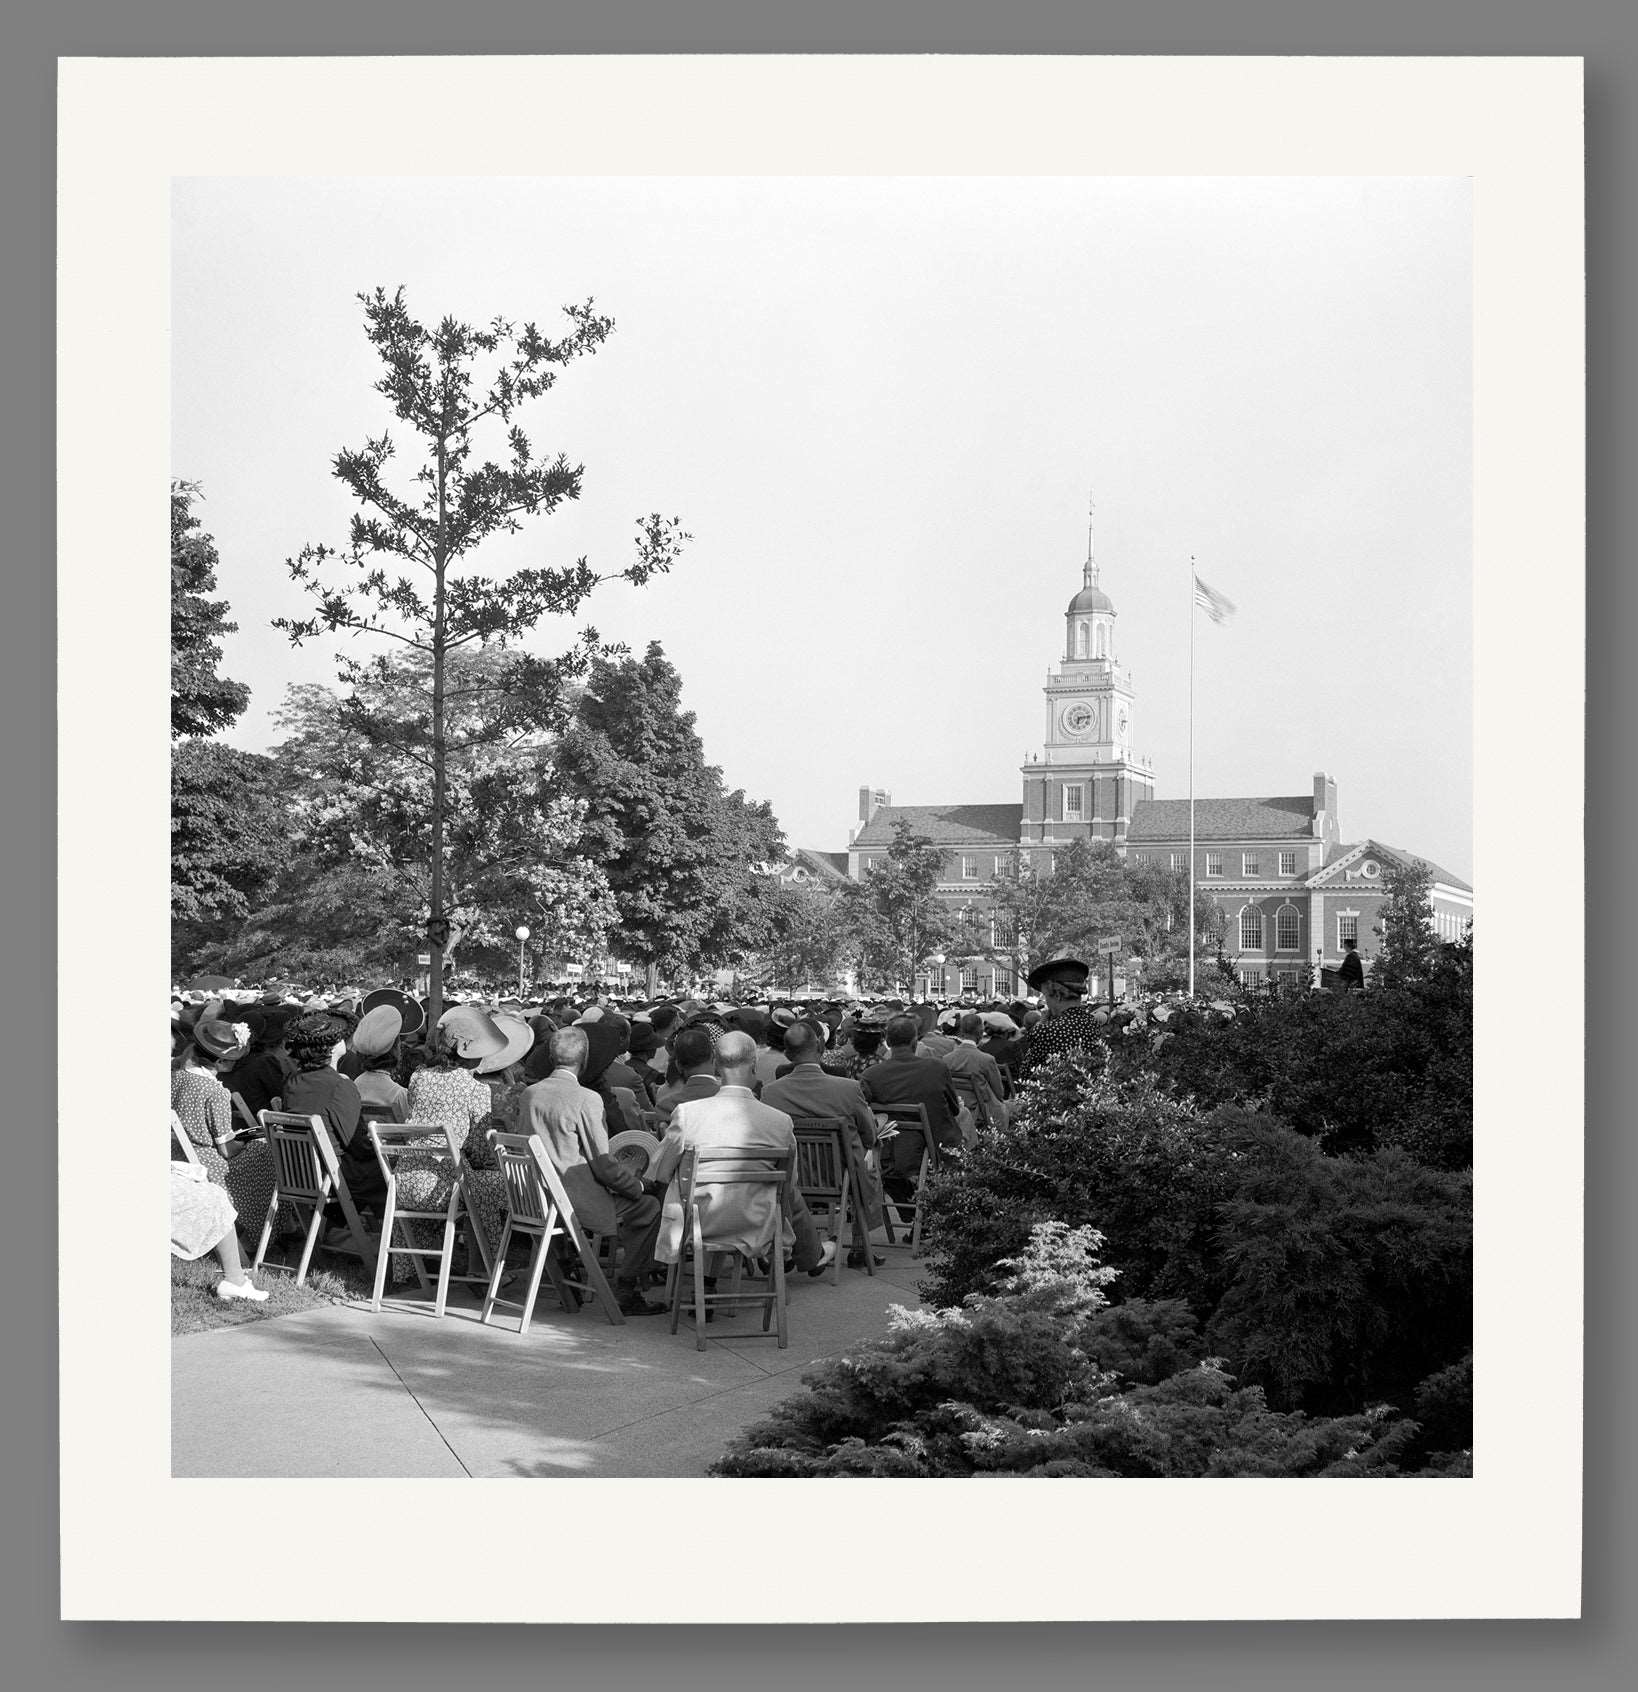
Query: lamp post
522, 932
937, 961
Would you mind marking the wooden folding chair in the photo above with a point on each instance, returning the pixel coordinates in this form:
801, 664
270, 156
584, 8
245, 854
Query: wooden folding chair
903, 1117
392, 1144
713, 1169
307, 1176
829, 1182
245, 1114
179, 1136
537, 1208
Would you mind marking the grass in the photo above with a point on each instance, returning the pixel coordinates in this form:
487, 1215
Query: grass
196, 1309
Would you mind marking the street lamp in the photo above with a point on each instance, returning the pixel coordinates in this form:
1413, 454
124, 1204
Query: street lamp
522, 932
937, 961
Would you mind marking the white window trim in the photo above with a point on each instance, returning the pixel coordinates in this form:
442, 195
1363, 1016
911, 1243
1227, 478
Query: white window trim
1354, 917
1249, 862
969, 874
1215, 874
1292, 857
1079, 789
1296, 945
1262, 928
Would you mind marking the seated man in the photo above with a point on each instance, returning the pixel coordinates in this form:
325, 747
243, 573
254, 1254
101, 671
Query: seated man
966, 1059
735, 1119
809, 1091
905, 1079
607, 1197
697, 1064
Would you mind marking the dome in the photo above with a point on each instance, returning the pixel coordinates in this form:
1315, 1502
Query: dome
1090, 599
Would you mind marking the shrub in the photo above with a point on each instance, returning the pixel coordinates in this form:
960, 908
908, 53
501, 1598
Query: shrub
1008, 1384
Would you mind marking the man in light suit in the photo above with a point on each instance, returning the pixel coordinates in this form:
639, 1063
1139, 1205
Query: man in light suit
735, 1119
809, 1090
966, 1059
607, 1197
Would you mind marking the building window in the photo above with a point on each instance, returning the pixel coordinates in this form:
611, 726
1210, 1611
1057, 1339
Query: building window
969, 866
1073, 799
993, 940
1347, 927
1287, 977
1287, 928
969, 980
1250, 864
1251, 929
1214, 863
1177, 860
1140, 857
1288, 863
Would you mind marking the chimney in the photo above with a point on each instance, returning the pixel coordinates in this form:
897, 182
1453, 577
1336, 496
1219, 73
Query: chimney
1325, 807
871, 800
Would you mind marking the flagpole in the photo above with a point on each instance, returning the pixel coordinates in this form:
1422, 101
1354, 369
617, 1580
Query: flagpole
1191, 774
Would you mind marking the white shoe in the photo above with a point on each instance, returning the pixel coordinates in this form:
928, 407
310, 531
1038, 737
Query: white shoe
229, 1290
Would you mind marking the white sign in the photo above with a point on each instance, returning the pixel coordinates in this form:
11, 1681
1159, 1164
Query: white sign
1111, 948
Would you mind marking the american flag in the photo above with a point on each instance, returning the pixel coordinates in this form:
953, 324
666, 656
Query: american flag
1218, 608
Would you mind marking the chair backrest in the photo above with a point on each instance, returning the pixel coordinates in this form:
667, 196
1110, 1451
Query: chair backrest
303, 1157
910, 1116
526, 1197
392, 1140
179, 1136
726, 1166
245, 1114
821, 1155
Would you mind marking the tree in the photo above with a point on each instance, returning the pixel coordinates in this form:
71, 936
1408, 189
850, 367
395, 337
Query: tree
677, 849
1409, 946
809, 936
361, 790
406, 546
895, 918
202, 701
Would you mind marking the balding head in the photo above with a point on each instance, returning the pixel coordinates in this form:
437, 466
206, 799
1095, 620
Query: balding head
802, 1043
736, 1058
969, 1025
568, 1049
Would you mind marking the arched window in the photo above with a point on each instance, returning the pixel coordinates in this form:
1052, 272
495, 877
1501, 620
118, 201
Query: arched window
1288, 928
1251, 929
1103, 641
1080, 640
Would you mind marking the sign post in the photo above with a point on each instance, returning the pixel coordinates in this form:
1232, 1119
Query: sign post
1111, 948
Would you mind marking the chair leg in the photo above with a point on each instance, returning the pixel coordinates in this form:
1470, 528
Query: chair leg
674, 1286
699, 1286
537, 1265
383, 1259
779, 1294
445, 1260
313, 1228
496, 1270
267, 1232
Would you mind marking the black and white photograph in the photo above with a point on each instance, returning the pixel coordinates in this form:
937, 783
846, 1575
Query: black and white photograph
823, 827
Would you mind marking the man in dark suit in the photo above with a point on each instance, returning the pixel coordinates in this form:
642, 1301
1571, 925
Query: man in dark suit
968, 1061
905, 1079
808, 1090
607, 1197
696, 1062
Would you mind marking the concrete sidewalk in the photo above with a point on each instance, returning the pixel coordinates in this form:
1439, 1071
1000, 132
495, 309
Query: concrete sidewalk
344, 1392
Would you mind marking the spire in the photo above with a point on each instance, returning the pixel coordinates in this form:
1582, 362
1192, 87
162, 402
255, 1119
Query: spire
1089, 576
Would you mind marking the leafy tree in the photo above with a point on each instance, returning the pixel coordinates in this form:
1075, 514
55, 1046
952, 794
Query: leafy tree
361, 784
677, 849
892, 913
1409, 946
407, 544
809, 936
202, 701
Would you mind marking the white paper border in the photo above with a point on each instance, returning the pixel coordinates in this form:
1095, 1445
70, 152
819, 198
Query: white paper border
1505, 1543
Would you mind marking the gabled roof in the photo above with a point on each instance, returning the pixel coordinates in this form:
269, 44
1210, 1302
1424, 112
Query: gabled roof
1362, 848
948, 825
1223, 819
828, 866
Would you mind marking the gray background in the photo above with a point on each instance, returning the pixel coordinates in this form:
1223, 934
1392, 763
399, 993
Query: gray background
40, 1651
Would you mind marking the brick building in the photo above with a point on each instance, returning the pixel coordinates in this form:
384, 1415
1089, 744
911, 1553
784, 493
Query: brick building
1290, 888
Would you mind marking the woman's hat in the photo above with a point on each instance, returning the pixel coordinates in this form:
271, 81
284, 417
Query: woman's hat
377, 1031
219, 1040
1058, 969
519, 1038
412, 1017
472, 1031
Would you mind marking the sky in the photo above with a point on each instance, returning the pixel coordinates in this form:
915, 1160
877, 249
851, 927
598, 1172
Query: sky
881, 407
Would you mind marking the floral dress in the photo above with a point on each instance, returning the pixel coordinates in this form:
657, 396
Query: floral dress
458, 1100
202, 1104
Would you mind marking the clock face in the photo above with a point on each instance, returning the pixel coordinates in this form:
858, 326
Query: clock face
1078, 718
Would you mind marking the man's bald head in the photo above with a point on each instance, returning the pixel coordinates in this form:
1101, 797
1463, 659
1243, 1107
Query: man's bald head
802, 1043
736, 1055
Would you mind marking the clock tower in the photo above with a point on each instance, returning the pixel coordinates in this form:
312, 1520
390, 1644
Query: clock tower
1086, 780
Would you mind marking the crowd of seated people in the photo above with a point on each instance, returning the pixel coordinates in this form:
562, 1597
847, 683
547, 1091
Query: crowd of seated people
576, 1071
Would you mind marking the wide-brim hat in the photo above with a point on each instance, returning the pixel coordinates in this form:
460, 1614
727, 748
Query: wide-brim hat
412, 1015
999, 1020
218, 1039
519, 1038
472, 1031
1054, 969
377, 1031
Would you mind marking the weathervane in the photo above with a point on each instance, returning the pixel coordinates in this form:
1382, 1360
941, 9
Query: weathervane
1090, 575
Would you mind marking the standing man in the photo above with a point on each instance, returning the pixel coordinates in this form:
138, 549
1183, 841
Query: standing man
1066, 1024
607, 1197
1351, 974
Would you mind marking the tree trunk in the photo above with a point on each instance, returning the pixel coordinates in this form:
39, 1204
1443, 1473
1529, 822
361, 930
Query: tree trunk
435, 987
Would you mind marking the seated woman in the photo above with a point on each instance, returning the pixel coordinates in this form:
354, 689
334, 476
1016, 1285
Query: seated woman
202, 1104
202, 1219
376, 1053
315, 1044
